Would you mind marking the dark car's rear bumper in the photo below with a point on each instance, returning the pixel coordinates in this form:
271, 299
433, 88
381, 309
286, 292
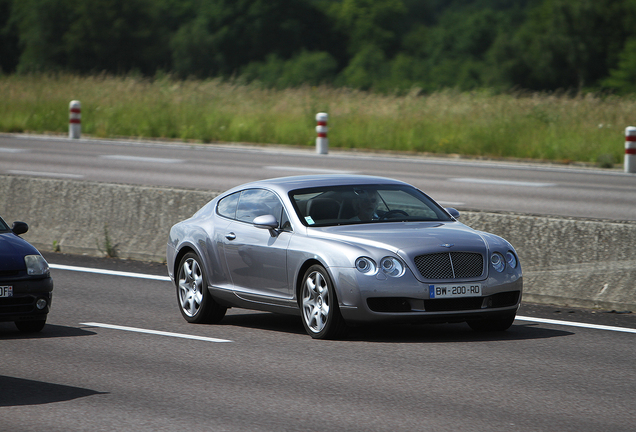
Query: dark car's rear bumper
26, 293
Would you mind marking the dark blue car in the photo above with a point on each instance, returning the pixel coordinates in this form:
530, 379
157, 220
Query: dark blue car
26, 287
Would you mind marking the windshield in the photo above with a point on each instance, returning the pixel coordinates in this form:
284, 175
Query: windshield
343, 205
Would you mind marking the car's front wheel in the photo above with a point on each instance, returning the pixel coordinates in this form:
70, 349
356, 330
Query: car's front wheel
319, 305
492, 324
195, 301
30, 326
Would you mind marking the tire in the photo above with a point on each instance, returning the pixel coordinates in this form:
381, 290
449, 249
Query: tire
30, 326
319, 305
492, 324
195, 301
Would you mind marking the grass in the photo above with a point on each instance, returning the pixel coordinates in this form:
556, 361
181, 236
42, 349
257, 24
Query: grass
561, 128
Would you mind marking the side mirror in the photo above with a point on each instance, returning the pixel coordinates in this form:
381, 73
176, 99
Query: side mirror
453, 212
19, 227
266, 222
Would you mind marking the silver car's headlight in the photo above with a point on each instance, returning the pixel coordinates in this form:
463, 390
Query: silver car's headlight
511, 259
392, 266
36, 265
366, 265
497, 261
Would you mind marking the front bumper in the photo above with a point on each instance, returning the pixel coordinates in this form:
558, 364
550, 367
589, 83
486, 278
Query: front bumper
26, 293
409, 301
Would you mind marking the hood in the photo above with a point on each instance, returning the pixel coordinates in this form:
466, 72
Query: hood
12, 252
409, 239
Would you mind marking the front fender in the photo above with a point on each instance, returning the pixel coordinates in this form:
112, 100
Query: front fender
337, 257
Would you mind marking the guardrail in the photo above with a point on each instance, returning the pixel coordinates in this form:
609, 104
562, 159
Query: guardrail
566, 261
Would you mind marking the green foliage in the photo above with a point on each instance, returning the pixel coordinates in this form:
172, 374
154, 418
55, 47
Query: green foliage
570, 44
106, 246
476, 123
365, 69
113, 35
369, 22
41, 27
377, 45
306, 68
226, 35
623, 78
9, 50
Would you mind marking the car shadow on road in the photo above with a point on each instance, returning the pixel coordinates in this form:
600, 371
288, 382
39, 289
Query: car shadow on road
19, 391
9, 331
265, 321
441, 333
399, 333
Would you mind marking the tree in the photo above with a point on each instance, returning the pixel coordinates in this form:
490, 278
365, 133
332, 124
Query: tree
114, 35
623, 78
367, 67
306, 68
226, 35
9, 48
455, 52
374, 23
41, 27
568, 44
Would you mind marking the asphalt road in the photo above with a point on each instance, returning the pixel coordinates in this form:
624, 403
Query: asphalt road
267, 374
465, 184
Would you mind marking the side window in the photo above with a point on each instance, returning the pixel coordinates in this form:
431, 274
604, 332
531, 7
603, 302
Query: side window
285, 224
258, 202
227, 206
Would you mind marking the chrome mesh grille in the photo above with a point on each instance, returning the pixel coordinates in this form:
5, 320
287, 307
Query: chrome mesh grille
450, 265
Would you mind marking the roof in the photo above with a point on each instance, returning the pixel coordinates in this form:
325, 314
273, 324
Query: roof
287, 184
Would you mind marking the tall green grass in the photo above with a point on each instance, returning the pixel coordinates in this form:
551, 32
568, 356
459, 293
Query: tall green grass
534, 126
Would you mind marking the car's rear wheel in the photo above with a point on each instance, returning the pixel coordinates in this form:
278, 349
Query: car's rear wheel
492, 324
30, 326
319, 305
195, 301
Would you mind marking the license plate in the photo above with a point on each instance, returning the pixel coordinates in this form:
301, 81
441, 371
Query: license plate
6, 291
454, 290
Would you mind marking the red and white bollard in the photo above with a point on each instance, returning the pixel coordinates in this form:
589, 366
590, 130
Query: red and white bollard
75, 119
630, 149
322, 142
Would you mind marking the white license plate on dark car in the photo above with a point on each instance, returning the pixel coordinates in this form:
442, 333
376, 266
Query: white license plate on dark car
454, 290
6, 291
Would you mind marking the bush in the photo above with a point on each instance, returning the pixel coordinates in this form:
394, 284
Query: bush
307, 68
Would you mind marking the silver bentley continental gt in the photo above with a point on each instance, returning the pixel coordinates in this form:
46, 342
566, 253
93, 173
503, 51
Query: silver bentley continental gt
341, 250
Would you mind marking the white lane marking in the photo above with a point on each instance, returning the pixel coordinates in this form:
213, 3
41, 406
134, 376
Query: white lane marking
12, 150
502, 182
109, 272
166, 278
243, 148
576, 324
308, 170
45, 174
142, 159
154, 332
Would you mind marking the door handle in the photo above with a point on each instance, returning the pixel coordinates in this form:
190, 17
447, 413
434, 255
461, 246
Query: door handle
230, 236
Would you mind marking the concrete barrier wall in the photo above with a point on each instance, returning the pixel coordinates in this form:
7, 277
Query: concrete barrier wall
566, 261
77, 216
569, 261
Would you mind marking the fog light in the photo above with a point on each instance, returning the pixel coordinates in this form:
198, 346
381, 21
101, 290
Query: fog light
41, 303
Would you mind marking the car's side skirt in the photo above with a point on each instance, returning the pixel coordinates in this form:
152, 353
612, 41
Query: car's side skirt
231, 298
